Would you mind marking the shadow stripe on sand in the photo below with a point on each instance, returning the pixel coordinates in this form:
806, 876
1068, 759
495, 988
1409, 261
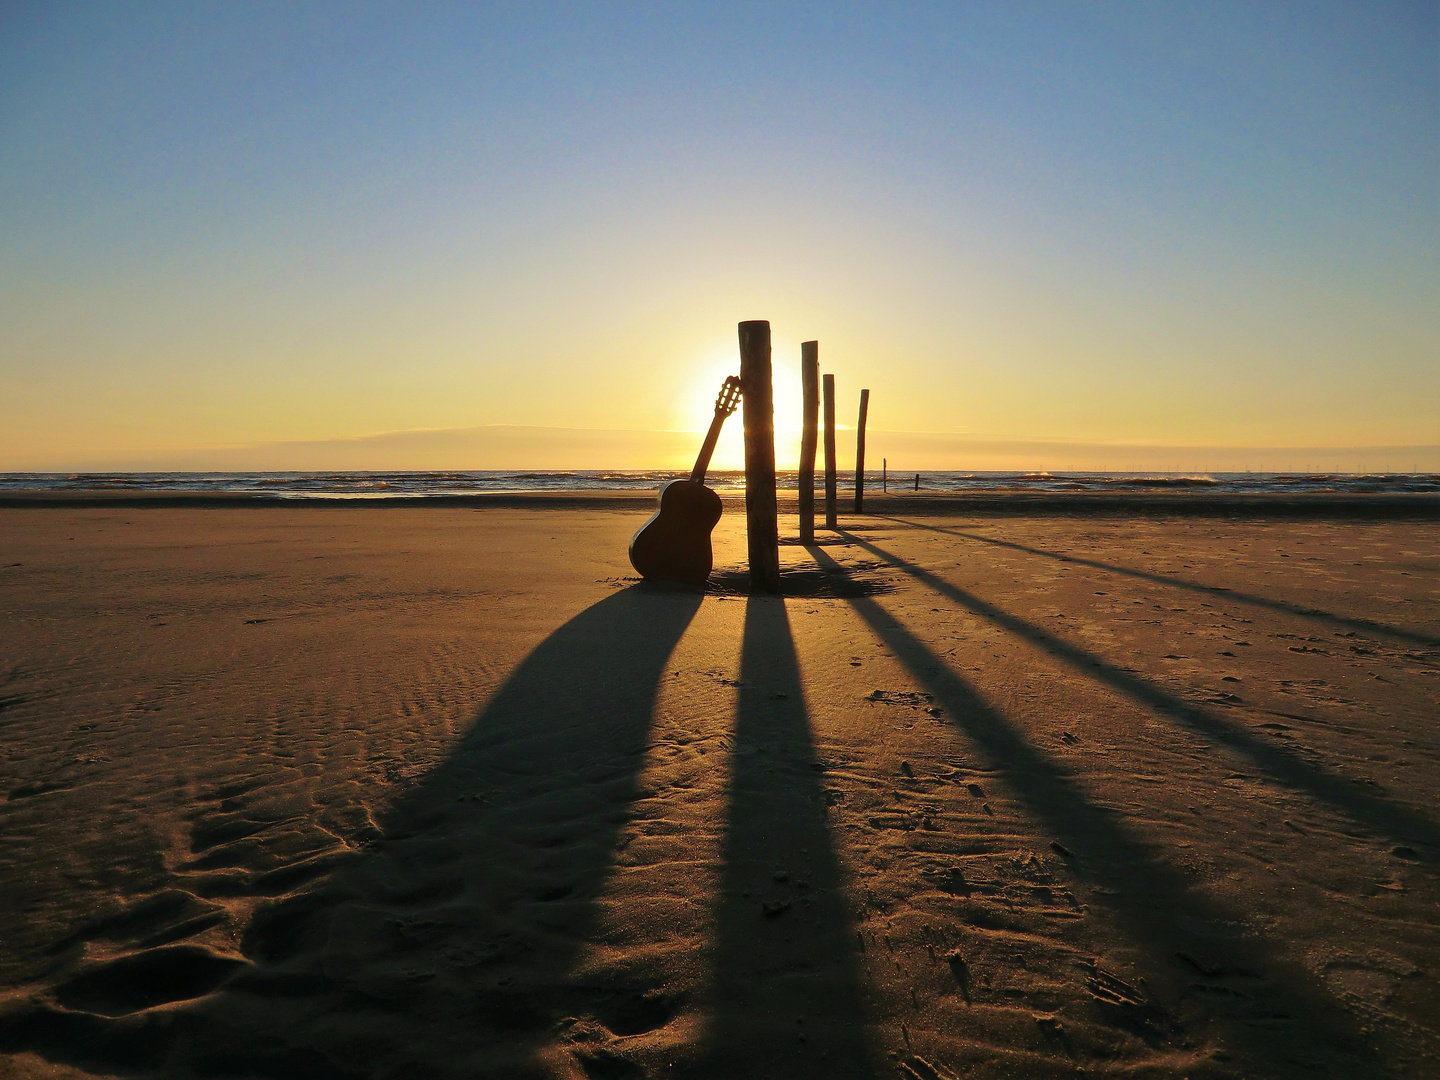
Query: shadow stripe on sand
789, 996
1399, 823
1414, 637
1290, 1027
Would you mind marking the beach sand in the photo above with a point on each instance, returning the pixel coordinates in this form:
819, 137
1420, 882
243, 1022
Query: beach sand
361, 791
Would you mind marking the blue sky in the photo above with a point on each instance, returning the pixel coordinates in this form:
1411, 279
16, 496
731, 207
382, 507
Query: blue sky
1202, 224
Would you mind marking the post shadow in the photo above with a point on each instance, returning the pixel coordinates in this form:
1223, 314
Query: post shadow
1369, 626
1282, 765
788, 996
450, 939
1278, 1023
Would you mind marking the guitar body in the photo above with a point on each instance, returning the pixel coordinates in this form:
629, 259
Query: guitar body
674, 544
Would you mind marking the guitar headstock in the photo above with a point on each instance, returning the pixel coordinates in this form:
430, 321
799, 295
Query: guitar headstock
729, 396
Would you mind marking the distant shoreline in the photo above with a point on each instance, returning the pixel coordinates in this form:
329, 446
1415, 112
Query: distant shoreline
1379, 506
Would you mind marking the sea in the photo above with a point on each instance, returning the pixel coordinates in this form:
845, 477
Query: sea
383, 485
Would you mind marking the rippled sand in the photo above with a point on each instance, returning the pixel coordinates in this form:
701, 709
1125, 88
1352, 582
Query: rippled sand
391, 791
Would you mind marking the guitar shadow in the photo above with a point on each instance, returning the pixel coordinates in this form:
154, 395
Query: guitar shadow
449, 942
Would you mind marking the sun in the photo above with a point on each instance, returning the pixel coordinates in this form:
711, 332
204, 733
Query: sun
699, 410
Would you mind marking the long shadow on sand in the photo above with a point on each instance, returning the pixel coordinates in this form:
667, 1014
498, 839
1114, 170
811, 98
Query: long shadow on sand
787, 985
1369, 626
1397, 822
1264, 1009
445, 947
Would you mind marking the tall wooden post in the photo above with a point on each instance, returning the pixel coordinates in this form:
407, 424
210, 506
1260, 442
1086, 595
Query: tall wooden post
810, 410
761, 524
860, 453
830, 520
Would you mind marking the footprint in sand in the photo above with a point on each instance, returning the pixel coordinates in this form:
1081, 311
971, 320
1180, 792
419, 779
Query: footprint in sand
156, 977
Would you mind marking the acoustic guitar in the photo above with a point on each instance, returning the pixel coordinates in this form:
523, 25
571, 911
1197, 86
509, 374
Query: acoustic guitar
674, 545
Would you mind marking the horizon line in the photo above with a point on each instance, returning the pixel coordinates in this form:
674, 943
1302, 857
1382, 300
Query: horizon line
531, 447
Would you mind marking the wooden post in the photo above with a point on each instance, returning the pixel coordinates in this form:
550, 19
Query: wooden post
860, 453
810, 410
884, 474
762, 528
830, 519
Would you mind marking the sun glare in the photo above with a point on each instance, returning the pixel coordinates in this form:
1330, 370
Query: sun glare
705, 387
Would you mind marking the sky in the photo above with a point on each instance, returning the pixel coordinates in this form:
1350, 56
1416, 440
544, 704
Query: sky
369, 235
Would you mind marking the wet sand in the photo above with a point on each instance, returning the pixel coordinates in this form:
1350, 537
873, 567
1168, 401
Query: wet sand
438, 791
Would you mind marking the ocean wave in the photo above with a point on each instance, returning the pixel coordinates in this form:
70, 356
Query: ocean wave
1165, 481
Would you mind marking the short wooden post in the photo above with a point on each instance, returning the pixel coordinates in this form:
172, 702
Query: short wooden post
762, 528
810, 410
860, 453
885, 474
917, 481
830, 520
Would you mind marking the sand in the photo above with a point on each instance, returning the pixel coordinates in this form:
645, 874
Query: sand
358, 791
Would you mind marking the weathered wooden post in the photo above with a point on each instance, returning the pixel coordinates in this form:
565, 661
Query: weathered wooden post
830, 519
762, 528
885, 474
810, 410
860, 453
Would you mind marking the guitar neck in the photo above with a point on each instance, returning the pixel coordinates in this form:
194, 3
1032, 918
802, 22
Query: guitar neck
702, 462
